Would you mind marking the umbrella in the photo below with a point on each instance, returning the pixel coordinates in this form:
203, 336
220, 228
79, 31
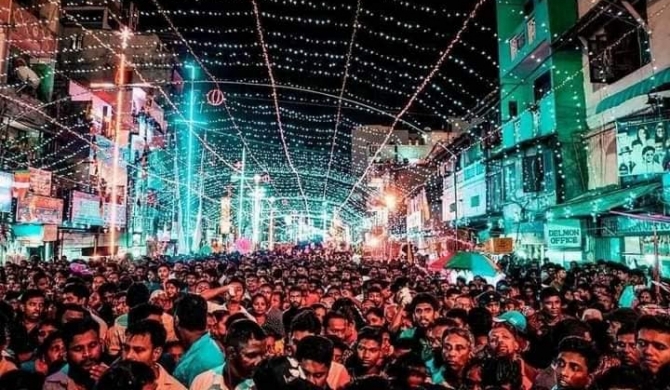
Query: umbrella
440, 263
474, 262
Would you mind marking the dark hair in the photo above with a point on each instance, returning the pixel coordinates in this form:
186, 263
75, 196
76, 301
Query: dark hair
315, 348
241, 331
306, 321
501, 371
78, 327
43, 349
459, 314
375, 311
175, 282
402, 367
370, 333
582, 347
623, 316
338, 343
335, 315
621, 377
137, 293
369, 382
143, 311
71, 307
79, 290
424, 298
659, 323
126, 375
191, 311
153, 328
549, 292
480, 321
569, 327
235, 317
626, 329
23, 380
30, 294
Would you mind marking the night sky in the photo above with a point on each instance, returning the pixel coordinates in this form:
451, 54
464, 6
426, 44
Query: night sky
395, 46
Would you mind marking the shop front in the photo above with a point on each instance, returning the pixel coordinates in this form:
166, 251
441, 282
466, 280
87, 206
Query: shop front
565, 241
639, 241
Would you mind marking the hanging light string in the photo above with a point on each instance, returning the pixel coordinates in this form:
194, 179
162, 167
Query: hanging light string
338, 117
420, 89
266, 57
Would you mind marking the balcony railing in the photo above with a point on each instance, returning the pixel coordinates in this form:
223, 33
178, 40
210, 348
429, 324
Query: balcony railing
534, 122
525, 39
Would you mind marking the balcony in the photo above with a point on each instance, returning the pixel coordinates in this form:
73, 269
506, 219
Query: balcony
528, 45
531, 123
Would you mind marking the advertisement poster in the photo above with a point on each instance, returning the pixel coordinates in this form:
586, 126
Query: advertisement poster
40, 209
21, 184
643, 147
6, 184
85, 209
40, 182
225, 215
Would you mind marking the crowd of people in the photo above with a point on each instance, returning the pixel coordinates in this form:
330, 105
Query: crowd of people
274, 321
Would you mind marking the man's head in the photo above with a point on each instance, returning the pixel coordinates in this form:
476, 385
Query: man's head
145, 311
295, 297
76, 293
375, 295
653, 341
369, 347
577, 360
304, 324
503, 340
245, 347
551, 302
337, 324
82, 342
625, 346
190, 316
32, 303
315, 355
424, 308
144, 341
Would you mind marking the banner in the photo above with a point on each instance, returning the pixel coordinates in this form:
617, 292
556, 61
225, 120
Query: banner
39, 209
564, 233
225, 215
40, 182
643, 147
21, 184
6, 184
85, 209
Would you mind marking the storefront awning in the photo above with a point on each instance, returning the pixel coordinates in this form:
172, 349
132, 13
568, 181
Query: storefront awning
643, 87
601, 202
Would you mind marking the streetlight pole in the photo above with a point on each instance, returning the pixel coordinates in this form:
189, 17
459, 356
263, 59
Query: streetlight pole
271, 229
241, 205
120, 81
255, 227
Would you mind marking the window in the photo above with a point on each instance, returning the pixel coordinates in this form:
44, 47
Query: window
77, 41
495, 192
533, 173
510, 183
474, 201
529, 7
542, 86
618, 46
513, 108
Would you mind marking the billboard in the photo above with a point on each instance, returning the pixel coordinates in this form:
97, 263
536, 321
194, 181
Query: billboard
40, 182
39, 209
563, 233
6, 184
85, 209
643, 146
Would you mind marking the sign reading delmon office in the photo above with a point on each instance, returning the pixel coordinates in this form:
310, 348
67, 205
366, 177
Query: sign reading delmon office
563, 233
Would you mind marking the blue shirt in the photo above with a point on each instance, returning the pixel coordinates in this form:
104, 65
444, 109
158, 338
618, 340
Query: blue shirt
202, 356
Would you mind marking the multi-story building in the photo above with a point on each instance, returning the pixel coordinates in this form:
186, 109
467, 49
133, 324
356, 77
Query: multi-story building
539, 162
399, 169
104, 62
626, 63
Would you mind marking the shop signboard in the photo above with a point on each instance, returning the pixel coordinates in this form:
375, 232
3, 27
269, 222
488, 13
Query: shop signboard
85, 209
563, 233
40, 182
6, 183
643, 146
500, 245
624, 226
39, 209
